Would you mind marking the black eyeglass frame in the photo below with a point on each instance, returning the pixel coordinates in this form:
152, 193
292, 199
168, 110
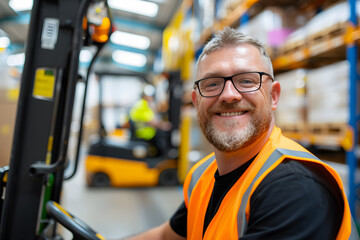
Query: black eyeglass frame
196, 83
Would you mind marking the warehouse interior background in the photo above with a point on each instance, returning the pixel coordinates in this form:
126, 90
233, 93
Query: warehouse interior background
311, 43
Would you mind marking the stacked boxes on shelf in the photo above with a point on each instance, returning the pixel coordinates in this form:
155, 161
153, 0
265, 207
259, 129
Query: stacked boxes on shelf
204, 15
327, 95
291, 111
323, 31
272, 26
315, 103
225, 7
328, 28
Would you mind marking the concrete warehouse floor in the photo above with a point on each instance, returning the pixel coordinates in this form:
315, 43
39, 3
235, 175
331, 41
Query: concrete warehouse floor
118, 212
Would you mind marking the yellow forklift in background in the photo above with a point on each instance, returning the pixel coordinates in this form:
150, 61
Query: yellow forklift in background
136, 162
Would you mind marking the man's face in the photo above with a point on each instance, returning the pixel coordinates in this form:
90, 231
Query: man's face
234, 120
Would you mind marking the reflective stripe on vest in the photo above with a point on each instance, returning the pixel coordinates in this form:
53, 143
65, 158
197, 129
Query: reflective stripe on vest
197, 174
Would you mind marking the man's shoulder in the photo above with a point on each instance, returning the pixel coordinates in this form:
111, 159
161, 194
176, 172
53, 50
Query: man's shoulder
293, 196
301, 178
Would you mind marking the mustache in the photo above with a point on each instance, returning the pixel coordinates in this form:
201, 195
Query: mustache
225, 106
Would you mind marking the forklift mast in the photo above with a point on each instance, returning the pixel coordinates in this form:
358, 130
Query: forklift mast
48, 83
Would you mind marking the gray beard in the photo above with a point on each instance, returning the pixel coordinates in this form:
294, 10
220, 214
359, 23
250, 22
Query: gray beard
230, 140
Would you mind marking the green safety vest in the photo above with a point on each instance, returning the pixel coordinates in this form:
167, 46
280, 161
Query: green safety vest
141, 114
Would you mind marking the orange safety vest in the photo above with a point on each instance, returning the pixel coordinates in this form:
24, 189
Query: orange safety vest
230, 221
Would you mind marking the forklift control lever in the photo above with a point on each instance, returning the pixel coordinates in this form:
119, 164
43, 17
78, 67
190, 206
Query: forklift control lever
41, 168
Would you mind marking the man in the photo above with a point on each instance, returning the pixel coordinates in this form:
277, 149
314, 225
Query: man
142, 115
145, 125
257, 184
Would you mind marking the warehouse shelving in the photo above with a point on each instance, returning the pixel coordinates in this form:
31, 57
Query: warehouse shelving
329, 43
229, 20
241, 7
352, 51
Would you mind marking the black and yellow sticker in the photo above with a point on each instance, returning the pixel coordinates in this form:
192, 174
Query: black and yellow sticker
44, 83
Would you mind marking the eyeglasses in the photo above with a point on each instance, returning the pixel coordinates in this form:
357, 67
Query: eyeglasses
243, 82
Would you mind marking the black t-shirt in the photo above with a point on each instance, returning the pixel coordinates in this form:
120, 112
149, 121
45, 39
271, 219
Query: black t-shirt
294, 201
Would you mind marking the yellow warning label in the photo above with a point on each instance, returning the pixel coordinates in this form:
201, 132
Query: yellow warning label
44, 83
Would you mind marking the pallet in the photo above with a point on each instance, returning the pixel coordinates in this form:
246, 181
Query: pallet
293, 128
292, 47
337, 129
328, 134
327, 39
297, 132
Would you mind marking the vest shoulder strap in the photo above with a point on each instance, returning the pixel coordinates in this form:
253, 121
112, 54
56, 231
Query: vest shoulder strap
195, 176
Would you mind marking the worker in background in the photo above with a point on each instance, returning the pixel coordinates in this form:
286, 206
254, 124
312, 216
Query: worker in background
257, 184
145, 124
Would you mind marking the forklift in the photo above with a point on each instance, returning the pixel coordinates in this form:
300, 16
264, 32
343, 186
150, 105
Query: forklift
136, 162
31, 185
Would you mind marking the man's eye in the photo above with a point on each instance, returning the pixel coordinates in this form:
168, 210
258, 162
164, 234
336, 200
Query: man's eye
246, 81
213, 84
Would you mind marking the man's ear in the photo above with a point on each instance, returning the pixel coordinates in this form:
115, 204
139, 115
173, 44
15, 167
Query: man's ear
194, 97
275, 94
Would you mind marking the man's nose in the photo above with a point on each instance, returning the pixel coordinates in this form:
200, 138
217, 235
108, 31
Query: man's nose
230, 94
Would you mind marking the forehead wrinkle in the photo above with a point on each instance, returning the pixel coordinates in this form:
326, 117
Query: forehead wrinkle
221, 74
213, 74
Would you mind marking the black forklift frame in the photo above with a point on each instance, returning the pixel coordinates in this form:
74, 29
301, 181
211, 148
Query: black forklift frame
45, 105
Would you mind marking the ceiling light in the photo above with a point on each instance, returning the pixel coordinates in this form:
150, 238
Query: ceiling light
149, 9
16, 60
85, 55
130, 40
4, 42
129, 58
21, 5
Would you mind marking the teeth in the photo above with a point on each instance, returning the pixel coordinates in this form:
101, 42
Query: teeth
232, 114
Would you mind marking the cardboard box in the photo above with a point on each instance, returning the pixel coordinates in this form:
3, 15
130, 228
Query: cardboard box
291, 109
327, 94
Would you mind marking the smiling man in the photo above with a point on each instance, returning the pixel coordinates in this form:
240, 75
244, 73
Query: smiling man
257, 184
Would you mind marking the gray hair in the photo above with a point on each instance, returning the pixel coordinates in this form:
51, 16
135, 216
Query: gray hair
229, 36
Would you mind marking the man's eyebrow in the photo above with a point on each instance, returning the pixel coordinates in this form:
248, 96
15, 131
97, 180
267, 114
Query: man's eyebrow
211, 74
214, 74
219, 74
